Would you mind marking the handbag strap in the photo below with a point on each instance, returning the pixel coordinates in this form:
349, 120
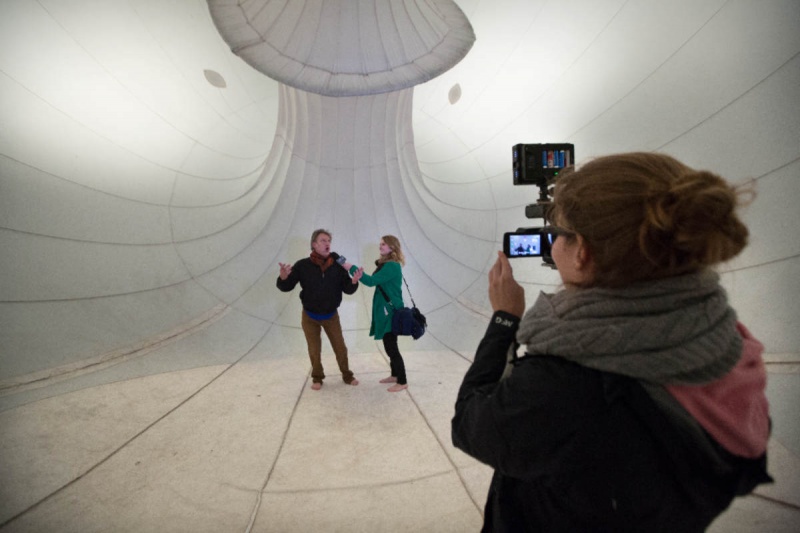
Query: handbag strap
413, 303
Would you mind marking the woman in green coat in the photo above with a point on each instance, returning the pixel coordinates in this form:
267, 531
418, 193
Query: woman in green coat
387, 279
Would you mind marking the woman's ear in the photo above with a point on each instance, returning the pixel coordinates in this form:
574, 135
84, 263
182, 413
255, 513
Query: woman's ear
583, 256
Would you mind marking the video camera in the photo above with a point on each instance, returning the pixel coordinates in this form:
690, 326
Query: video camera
536, 164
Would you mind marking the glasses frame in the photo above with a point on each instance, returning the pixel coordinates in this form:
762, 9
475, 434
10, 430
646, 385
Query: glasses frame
557, 231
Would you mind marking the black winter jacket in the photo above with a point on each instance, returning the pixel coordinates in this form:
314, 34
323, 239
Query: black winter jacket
321, 292
576, 449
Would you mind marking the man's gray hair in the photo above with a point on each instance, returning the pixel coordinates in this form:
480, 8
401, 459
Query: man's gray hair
317, 233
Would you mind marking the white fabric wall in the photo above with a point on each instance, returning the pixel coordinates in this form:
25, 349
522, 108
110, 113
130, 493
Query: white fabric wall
138, 202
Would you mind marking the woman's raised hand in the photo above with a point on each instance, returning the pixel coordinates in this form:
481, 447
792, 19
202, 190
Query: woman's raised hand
505, 294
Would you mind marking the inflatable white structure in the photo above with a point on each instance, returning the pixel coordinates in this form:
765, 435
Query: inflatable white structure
158, 159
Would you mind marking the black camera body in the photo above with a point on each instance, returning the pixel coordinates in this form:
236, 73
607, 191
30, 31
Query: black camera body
536, 164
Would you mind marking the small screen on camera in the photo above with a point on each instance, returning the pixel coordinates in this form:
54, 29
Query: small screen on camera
526, 243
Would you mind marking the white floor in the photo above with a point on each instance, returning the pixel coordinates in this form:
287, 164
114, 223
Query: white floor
220, 431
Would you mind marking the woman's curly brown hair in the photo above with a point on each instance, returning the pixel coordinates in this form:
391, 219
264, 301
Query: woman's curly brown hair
648, 216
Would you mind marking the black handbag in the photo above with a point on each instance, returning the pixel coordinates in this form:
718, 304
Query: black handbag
406, 321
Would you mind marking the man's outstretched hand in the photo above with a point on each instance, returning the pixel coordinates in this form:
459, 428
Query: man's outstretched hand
286, 269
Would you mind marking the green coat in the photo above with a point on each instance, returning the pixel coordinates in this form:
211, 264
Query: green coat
389, 277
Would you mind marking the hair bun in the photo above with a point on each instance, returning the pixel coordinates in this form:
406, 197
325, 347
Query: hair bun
692, 222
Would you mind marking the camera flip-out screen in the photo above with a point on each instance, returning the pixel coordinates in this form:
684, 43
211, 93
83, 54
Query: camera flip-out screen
531, 242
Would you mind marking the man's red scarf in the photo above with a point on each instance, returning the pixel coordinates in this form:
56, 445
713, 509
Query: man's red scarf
322, 262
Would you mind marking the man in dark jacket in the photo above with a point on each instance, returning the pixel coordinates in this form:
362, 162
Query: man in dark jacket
322, 280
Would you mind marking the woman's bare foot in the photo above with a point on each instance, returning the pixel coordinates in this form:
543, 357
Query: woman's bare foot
316, 386
397, 388
354, 382
390, 379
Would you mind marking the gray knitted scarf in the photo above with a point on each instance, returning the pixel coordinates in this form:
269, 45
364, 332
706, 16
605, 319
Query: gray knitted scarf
678, 330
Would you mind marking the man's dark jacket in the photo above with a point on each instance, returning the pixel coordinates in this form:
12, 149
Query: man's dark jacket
321, 292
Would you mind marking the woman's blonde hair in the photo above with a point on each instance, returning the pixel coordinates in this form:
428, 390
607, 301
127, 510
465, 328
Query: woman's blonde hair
397, 251
648, 216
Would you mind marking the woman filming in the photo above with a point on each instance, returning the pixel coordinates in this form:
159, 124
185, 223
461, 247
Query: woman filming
639, 402
387, 280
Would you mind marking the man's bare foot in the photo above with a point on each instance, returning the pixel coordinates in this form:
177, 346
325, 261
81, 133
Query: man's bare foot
316, 386
354, 382
397, 388
390, 379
